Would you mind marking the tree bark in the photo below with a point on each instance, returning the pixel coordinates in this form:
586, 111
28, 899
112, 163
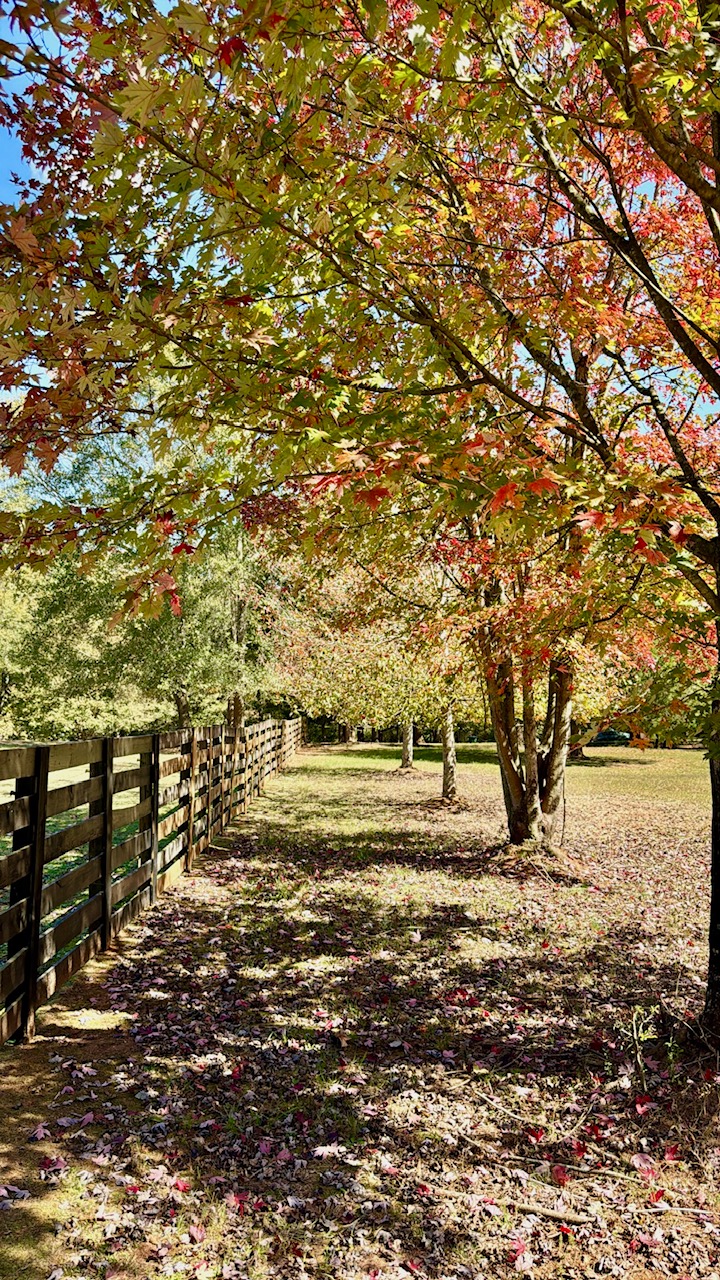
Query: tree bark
182, 706
501, 697
447, 730
408, 745
711, 1015
533, 783
553, 796
533, 807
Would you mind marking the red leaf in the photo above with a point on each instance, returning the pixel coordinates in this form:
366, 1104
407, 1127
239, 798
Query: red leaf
373, 497
644, 1165
504, 497
229, 48
544, 484
591, 519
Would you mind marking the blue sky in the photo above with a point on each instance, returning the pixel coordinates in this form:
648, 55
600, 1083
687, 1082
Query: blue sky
10, 162
10, 158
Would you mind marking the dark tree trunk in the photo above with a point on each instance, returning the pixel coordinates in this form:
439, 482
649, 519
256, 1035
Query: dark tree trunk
533, 782
711, 1016
373, 734
407, 745
182, 707
447, 731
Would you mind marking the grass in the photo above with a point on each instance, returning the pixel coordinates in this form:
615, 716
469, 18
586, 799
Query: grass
358, 1042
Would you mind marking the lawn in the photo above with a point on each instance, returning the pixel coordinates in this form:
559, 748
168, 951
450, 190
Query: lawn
362, 1041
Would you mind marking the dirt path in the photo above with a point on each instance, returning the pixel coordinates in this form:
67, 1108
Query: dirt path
355, 1045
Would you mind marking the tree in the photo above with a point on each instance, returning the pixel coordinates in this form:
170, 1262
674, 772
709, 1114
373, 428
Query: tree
342, 653
412, 236
76, 669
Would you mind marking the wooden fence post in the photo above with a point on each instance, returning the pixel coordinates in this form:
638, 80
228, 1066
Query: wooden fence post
193, 789
154, 812
19, 889
103, 844
107, 838
223, 779
35, 886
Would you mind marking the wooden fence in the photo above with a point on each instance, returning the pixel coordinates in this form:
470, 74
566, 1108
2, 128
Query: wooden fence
93, 831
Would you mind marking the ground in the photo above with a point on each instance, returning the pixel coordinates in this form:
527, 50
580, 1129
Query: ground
361, 1041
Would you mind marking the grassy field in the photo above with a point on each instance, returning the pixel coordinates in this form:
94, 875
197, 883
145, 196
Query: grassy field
364, 1042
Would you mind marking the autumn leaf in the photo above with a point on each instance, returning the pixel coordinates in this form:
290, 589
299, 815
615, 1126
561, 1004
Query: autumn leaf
373, 497
230, 48
505, 496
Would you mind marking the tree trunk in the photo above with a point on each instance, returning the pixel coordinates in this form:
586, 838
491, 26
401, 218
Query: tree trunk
501, 697
182, 706
533, 807
447, 730
553, 793
534, 783
373, 734
407, 745
711, 1016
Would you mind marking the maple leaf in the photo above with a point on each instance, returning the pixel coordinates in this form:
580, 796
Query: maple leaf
543, 484
40, 1132
504, 497
230, 48
644, 1164
644, 1103
591, 519
373, 497
23, 238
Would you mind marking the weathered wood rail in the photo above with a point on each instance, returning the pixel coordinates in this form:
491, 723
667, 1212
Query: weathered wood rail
95, 830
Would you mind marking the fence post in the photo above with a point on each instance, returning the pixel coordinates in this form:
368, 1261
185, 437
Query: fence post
106, 852
154, 811
35, 886
246, 770
19, 889
191, 810
223, 779
102, 846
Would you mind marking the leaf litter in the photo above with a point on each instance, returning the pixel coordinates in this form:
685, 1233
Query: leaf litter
379, 1055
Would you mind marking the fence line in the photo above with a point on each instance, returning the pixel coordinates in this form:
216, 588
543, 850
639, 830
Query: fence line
90, 852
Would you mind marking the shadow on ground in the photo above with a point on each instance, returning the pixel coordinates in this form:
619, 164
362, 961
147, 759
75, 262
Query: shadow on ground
336, 1041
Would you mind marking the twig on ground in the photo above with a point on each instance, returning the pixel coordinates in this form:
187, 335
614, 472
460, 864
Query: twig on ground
558, 1215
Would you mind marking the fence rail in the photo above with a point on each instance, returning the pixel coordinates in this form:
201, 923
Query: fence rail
91, 832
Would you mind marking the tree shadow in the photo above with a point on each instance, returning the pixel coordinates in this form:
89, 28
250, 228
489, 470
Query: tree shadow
292, 1045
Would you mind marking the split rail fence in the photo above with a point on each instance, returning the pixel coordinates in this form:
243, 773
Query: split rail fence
94, 831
